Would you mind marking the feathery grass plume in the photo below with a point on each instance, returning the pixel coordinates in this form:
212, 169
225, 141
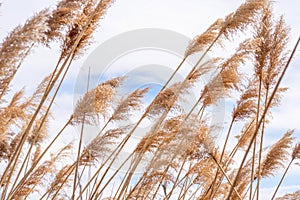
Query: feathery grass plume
277, 155
238, 20
244, 52
246, 105
95, 102
91, 9
12, 117
63, 18
131, 102
14, 142
179, 136
277, 54
101, 11
296, 152
174, 143
160, 169
4, 146
205, 39
263, 31
263, 115
216, 186
244, 15
17, 113
246, 134
162, 101
291, 196
39, 134
37, 153
8, 117
122, 112
99, 147
17, 44
36, 177
153, 141
267, 68
148, 186
204, 68
229, 77
220, 86
190, 142
204, 172
61, 179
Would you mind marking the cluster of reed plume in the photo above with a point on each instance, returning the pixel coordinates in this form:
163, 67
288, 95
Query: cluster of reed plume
186, 162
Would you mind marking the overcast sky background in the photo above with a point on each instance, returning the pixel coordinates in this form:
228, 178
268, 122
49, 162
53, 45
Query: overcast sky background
189, 18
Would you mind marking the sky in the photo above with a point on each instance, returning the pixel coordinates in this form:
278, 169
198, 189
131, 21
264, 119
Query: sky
184, 18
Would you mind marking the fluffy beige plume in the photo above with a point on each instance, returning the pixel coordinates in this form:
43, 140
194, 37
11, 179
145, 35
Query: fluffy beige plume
220, 86
277, 155
277, 55
174, 142
188, 140
15, 117
33, 101
246, 106
203, 172
36, 177
291, 196
39, 134
238, 20
18, 44
271, 56
95, 102
205, 39
296, 152
99, 147
13, 112
229, 78
37, 153
131, 102
153, 141
93, 9
244, 180
163, 101
61, 179
148, 185
63, 18
244, 15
